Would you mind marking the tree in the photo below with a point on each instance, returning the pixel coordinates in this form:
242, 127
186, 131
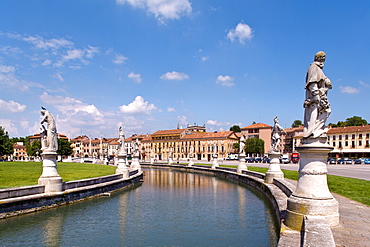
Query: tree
254, 146
6, 147
33, 149
236, 146
235, 128
64, 147
297, 123
351, 121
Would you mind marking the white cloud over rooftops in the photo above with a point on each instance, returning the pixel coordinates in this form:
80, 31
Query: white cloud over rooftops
139, 105
174, 76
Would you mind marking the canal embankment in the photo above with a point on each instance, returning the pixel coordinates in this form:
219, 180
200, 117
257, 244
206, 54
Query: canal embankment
16, 201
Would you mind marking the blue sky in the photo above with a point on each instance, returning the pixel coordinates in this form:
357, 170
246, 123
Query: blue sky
148, 65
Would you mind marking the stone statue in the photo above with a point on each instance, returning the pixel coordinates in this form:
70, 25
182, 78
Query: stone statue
242, 145
276, 135
136, 147
171, 153
49, 141
317, 107
122, 149
215, 148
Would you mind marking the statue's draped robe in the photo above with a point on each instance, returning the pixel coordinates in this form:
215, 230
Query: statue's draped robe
317, 107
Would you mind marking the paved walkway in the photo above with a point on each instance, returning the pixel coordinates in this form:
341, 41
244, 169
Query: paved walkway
354, 218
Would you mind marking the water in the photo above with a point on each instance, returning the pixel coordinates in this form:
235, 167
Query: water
171, 208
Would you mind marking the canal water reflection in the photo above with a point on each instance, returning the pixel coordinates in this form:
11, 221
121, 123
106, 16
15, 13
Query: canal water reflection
171, 208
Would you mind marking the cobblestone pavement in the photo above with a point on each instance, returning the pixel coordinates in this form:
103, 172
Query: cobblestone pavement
354, 219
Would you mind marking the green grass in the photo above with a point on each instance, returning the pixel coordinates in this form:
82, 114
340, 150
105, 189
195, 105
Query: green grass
16, 174
352, 188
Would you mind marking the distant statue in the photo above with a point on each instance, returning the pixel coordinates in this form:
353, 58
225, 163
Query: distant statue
49, 141
317, 106
276, 135
136, 147
122, 149
242, 145
215, 148
191, 151
171, 153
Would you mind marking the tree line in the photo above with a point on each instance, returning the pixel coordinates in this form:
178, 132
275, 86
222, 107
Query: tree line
32, 149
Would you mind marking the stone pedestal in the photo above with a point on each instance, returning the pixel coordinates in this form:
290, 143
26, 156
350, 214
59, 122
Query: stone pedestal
191, 162
122, 167
215, 163
312, 196
170, 161
274, 170
135, 164
242, 165
50, 177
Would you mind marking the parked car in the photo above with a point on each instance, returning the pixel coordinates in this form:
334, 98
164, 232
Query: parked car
266, 160
285, 160
258, 159
341, 161
332, 161
358, 161
348, 161
367, 161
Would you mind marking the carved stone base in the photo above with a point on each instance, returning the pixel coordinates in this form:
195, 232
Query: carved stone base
312, 195
135, 165
215, 163
242, 165
122, 167
274, 170
50, 177
191, 162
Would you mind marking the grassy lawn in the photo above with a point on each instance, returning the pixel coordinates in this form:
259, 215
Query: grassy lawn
352, 188
16, 174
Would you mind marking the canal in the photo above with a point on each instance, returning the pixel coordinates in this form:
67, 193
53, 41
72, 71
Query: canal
172, 207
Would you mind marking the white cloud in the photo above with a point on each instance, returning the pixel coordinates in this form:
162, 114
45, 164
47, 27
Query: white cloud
119, 59
171, 109
41, 43
241, 32
11, 106
74, 54
204, 58
74, 112
348, 89
9, 126
139, 105
58, 76
161, 9
91, 51
362, 83
46, 62
135, 77
9, 80
225, 80
174, 76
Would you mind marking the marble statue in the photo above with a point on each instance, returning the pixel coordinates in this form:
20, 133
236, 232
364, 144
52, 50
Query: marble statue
242, 145
215, 148
49, 141
136, 147
171, 153
276, 135
317, 106
121, 141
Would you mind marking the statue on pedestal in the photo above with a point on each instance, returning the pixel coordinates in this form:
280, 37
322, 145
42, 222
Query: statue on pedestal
317, 106
122, 149
49, 141
276, 135
242, 145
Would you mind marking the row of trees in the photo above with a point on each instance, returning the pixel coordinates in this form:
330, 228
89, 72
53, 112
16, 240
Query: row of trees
351, 121
32, 149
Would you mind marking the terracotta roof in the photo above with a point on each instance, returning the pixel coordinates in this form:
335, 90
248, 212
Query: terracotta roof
292, 129
168, 132
141, 138
209, 135
257, 126
38, 136
349, 129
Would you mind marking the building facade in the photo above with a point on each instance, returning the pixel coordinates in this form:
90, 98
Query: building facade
261, 131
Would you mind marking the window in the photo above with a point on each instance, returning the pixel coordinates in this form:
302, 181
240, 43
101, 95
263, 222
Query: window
340, 145
359, 136
328, 138
334, 137
333, 144
360, 143
340, 137
367, 136
353, 136
346, 143
353, 144
346, 137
